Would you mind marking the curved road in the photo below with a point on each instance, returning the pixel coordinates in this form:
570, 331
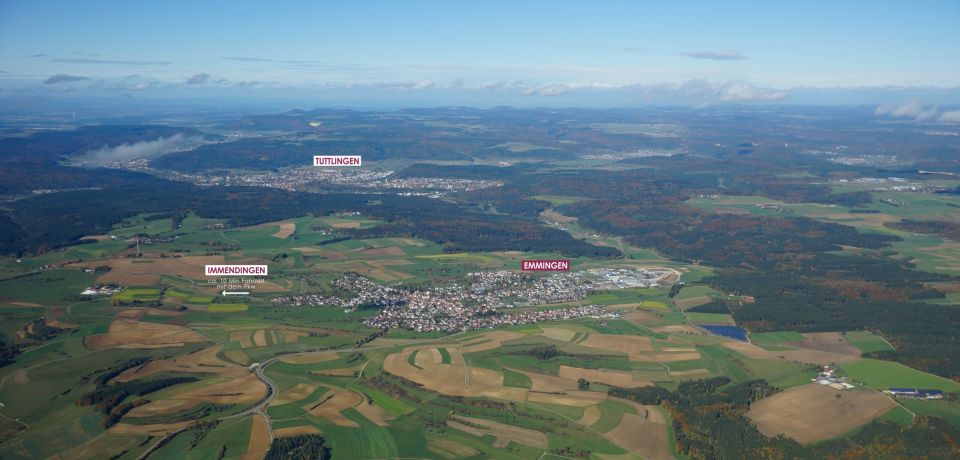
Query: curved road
260, 408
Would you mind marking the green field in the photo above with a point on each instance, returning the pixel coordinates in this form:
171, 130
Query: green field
610, 414
35, 387
886, 374
444, 355
773, 341
516, 379
867, 342
227, 307
692, 296
948, 410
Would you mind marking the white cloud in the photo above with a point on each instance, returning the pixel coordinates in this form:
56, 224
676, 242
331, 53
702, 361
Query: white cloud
136, 150
912, 109
198, 79
952, 116
742, 92
725, 55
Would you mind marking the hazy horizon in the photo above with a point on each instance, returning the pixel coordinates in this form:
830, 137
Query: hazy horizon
531, 55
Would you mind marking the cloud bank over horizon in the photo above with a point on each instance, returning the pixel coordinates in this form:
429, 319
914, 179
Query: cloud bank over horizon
891, 101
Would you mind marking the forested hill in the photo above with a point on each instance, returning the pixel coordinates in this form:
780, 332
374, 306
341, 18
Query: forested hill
34, 162
48, 221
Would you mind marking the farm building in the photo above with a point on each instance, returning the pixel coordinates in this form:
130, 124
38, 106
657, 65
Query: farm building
915, 393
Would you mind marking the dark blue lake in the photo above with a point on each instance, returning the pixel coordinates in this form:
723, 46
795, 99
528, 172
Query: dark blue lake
726, 330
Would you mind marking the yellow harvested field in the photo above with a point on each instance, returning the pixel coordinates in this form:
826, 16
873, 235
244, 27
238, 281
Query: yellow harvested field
373, 412
204, 361
259, 439
237, 356
549, 383
333, 403
450, 449
552, 215
158, 429
162, 407
124, 333
661, 357
295, 393
813, 412
286, 229
247, 389
624, 379
504, 433
692, 302
24, 304
442, 378
260, 338
642, 317
643, 435
144, 271
800, 356
832, 342
689, 372
751, 350
572, 398
311, 358
428, 357
679, 328
490, 383
450, 379
591, 414
345, 224
244, 337
563, 335
339, 372
52, 318
295, 431
629, 344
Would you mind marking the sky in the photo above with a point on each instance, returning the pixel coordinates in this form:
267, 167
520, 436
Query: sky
524, 53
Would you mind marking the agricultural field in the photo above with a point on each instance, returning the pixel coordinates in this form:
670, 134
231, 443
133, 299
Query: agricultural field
812, 413
202, 374
929, 252
885, 374
694, 296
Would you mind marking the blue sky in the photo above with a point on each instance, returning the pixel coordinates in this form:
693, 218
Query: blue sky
520, 53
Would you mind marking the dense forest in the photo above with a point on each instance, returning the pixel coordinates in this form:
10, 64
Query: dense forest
33, 162
299, 447
49, 221
932, 227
